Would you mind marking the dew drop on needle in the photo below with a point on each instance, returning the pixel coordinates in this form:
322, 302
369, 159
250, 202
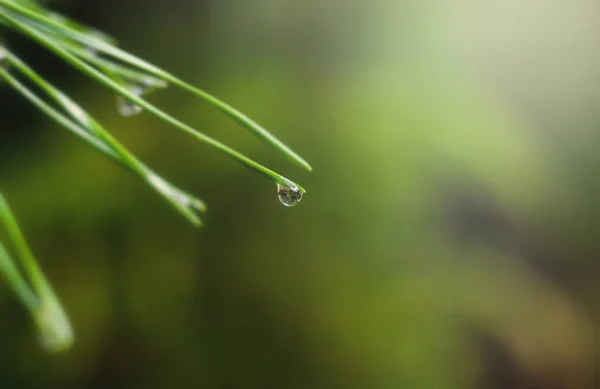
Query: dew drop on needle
289, 195
128, 108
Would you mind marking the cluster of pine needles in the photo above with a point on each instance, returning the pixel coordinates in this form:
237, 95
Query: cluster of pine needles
97, 56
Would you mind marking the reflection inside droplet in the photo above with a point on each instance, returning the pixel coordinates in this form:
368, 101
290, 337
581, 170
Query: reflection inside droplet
289, 195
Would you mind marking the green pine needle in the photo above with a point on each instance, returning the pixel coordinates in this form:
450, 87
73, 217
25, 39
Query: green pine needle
94, 134
96, 55
27, 21
54, 328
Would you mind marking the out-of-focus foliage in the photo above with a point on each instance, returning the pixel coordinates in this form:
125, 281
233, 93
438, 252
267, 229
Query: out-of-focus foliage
449, 234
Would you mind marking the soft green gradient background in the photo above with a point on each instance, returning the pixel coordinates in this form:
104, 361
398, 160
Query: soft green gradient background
448, 239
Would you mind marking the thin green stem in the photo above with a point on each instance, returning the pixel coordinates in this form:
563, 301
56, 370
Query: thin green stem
56, 333
38, 280
16, 281
126, 57
49, 43
63, 121
183, 202
123, 71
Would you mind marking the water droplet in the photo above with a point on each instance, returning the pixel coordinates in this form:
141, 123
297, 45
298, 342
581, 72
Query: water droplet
289, 195
127, 108
143, 87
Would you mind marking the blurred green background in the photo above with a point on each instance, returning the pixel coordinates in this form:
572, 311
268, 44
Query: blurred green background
449, 237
